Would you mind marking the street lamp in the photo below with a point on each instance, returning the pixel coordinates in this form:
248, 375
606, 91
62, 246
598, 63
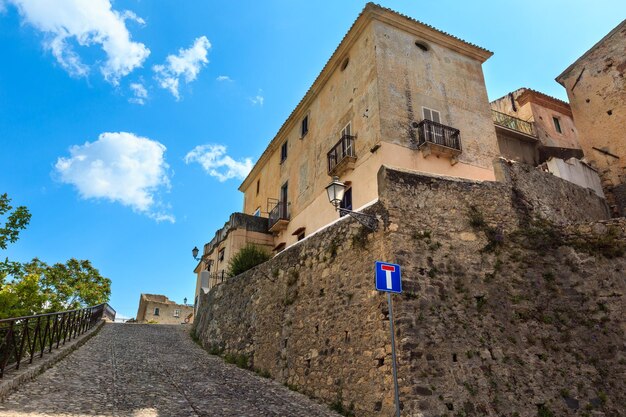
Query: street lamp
194, 253
336, 190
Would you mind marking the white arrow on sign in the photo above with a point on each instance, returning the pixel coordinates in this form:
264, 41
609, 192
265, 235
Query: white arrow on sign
388, 270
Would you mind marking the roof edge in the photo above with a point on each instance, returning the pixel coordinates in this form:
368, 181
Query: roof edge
561, 77
370, 11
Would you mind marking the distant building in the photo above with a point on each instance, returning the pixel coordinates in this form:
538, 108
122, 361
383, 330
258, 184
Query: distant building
159, 309
532, 127
596, 87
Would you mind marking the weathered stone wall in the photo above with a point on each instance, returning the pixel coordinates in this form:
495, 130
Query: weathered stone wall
501, 314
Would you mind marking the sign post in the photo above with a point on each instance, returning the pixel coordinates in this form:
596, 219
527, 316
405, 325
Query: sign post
388, 279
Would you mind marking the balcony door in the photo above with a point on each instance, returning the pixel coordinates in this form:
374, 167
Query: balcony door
346, 144
284, 193
433, 133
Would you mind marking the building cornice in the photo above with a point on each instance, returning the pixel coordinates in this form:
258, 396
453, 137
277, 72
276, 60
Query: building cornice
368, 14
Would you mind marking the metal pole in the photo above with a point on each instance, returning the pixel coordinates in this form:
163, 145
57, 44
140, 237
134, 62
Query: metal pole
393, 355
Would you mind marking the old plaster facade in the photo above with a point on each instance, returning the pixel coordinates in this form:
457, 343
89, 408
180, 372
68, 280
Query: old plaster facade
596, 88
159, 309
532, 127
367, 108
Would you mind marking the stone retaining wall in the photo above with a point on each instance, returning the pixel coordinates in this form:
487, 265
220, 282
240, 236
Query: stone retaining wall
502, 314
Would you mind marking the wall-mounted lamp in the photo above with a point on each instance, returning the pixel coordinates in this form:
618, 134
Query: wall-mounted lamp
336, 190
194, 253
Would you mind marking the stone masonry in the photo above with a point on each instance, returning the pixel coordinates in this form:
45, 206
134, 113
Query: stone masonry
512, 306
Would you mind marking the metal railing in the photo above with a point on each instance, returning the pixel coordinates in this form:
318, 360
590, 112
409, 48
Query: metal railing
513, 123
24, 338
342, 149
216, 278
433, 132
279, 212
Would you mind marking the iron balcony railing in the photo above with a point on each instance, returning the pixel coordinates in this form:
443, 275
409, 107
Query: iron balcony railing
436, 133
216, 278
504, 120
24, 338
279, 212
343, 149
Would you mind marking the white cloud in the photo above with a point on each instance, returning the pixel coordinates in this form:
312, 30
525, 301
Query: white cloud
119, 167
87, 22
140, 94
187, 64
216, 163
258, 99
224, 78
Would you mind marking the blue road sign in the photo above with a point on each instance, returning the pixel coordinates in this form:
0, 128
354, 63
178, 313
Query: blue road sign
388, 277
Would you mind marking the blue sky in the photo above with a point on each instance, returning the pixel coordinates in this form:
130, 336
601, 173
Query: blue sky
126, 126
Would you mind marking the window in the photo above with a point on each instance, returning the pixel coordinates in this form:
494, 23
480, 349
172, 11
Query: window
345, 63
284, 193
176, 313
432, 115
220, 255
258, 186
257, 212
346, 202
557, 124
432, 133
304, 127
209, 265
283, 152
347, 131
156, 311
301, 236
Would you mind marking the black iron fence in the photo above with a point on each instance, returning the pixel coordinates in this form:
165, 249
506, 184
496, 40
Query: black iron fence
342, 149
279, 212
433, 132
24, 338
511, 122
216, 278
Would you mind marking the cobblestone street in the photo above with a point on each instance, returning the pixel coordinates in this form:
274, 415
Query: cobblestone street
148, 371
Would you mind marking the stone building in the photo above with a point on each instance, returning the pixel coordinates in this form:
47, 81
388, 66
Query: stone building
532, 127
159, 309
241, 229
596, 88
395, 91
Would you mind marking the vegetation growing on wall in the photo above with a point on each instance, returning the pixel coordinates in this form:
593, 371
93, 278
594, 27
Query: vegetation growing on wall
248, 257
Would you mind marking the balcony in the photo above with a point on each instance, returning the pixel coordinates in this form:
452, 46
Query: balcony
279, 217
438, 139
513, 123
342, 156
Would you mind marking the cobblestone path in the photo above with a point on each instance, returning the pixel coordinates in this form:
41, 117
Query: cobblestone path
131, 370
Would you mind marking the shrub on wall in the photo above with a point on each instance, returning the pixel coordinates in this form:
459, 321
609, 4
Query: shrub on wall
248, 257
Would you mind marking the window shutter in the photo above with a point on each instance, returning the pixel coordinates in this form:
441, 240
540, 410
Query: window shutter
427, 114
435, 118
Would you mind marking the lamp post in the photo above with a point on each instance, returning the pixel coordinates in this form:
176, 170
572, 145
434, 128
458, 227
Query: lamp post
336, 190
194, 253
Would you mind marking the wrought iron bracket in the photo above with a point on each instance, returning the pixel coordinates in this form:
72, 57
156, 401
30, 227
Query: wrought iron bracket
367, 220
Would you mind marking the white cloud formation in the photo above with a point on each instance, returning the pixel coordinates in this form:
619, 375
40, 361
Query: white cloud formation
258, 99
187, 64
216, 163
87, 22
140, 94
224, 78
120, 167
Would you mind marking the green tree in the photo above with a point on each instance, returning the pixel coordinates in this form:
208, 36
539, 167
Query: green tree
74, 284
12, 221
248, 257
35, 287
